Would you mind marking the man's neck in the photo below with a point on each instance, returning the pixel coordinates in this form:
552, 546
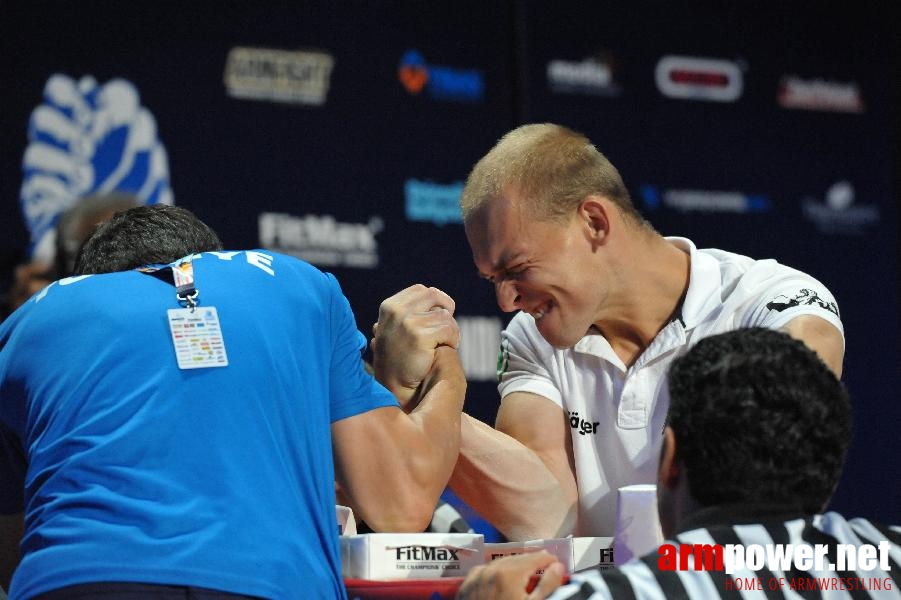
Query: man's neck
737, 514
652, 277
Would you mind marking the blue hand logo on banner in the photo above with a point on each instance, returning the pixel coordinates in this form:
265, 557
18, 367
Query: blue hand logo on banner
88, 139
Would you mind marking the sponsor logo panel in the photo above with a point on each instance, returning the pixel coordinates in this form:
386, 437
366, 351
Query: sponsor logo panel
287, 76
451, 84
820, 95
592, 76
437, 203
837, 213
696, 78
321, 239
88, 138
703, 201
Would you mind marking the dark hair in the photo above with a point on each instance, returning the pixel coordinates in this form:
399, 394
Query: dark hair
758, 417
158, 234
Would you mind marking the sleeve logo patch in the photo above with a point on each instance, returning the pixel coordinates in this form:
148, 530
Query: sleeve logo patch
503, 357
804, 297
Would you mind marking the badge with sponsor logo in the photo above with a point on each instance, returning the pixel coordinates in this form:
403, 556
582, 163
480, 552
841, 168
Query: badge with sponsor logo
197, 337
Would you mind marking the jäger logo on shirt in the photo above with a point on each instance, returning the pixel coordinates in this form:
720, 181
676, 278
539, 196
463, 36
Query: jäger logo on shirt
581, 425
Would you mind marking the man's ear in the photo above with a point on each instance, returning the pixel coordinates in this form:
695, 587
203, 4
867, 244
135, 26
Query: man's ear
669, 471
594, 211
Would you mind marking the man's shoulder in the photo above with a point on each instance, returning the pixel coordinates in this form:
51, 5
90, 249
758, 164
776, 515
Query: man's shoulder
258, 261
743, 279
865, 529
734, 266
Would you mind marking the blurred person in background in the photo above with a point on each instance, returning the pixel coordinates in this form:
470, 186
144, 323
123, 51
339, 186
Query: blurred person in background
73, 228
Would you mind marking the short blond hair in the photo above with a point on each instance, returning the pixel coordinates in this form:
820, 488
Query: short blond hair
552, 168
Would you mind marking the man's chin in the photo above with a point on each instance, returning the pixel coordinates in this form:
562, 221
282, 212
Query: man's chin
556, 338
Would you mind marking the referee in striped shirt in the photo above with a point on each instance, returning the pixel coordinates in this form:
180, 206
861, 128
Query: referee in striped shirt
758, 429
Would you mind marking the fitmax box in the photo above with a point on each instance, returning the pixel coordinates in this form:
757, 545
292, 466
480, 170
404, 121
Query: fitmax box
389, 556
576, 554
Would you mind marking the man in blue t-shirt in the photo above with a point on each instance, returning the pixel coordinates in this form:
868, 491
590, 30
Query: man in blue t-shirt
174, 417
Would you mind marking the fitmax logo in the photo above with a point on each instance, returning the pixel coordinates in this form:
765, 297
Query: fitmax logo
321, 239
430, 553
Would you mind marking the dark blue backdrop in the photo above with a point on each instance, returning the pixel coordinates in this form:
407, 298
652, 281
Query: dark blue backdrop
367, 180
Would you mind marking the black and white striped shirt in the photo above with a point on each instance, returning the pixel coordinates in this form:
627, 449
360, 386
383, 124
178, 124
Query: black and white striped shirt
643, 579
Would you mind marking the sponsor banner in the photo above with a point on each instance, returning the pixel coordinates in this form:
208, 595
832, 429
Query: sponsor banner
479, 341
288, 76
88, 139
692, 78
820, 95
430, 202
593, 76
321, 239
837, 213
704, 201
439, 82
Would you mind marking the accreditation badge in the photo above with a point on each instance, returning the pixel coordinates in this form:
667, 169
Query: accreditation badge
197, 337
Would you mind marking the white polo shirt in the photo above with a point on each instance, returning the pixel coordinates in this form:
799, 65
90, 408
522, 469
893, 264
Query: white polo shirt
617, 413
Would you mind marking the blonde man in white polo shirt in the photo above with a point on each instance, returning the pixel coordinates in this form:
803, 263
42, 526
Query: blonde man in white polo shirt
605, 304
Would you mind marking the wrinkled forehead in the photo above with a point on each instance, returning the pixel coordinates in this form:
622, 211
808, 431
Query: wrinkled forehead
498, 231
495, 216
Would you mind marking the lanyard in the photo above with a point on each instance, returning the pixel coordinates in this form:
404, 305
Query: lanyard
182, 277
196, 334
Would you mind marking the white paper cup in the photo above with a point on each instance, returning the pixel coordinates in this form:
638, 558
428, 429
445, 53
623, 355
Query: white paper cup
347, 525
637, 523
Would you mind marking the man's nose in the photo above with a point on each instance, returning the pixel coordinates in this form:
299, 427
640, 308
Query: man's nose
507, 296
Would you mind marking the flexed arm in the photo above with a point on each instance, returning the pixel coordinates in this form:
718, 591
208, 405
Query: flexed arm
393, 465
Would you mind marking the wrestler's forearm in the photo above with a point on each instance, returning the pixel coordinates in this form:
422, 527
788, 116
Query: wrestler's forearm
509, 485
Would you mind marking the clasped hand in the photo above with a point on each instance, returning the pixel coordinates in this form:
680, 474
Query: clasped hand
412, 324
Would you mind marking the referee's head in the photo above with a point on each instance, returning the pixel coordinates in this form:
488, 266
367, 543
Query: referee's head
755, 417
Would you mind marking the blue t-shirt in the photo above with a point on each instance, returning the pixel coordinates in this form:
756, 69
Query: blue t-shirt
218, 477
